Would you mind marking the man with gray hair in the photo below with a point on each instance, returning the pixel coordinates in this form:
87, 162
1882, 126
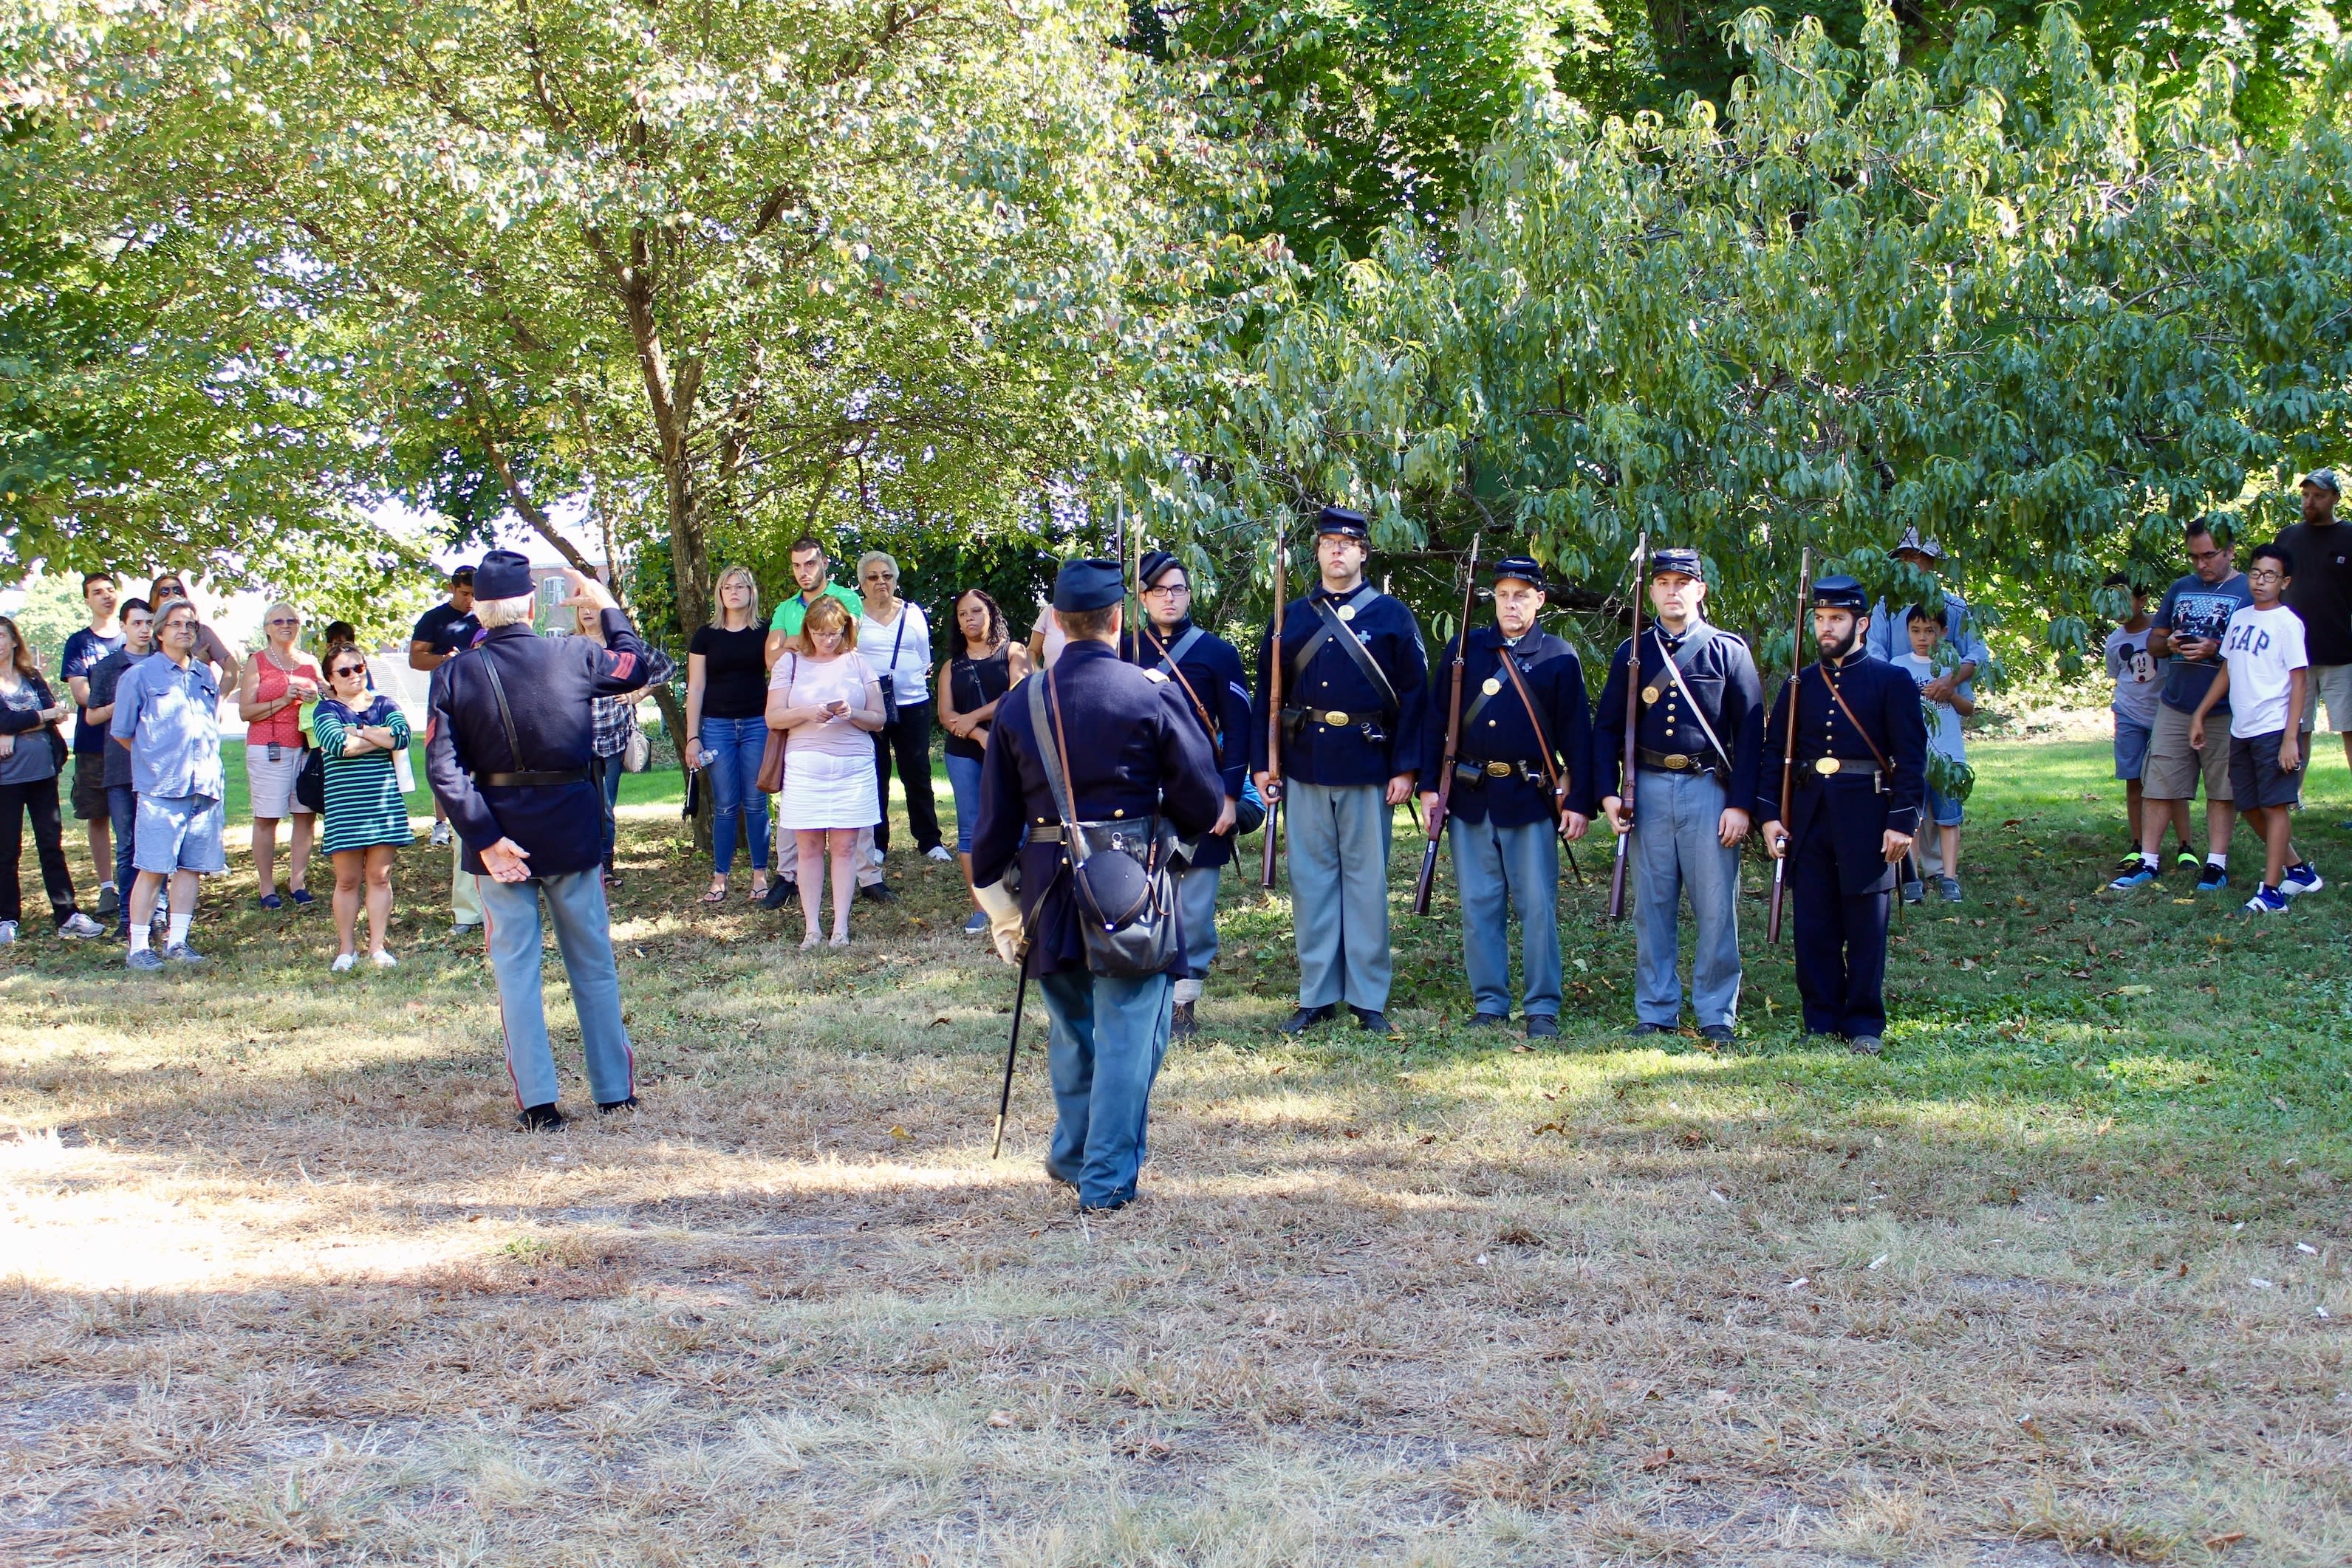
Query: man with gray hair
167, 713
509, 752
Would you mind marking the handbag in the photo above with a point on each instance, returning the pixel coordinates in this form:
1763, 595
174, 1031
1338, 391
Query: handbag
637, 754
1119, 871
311, 782
771, 756
888, 680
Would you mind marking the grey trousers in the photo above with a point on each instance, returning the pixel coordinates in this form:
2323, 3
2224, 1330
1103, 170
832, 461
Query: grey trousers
1196, 903
1677, 850
1499, 870
1339, 893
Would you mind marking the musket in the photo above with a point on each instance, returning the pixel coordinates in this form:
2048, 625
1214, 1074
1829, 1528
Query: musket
1435, 824
1633, 725
1274, 724
1789, 751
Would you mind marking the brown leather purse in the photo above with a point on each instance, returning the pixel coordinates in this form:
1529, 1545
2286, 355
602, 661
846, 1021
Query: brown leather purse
771, 756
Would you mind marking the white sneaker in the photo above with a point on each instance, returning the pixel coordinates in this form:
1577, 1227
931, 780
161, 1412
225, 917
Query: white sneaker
7, 931
938, 852
440, 835
344, 962
79, 925
383, 960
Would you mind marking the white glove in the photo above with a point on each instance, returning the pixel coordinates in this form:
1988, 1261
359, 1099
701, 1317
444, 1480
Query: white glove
1004, 912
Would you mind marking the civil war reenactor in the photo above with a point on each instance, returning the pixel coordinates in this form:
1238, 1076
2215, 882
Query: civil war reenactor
1207, 669
510, 751
1127, 753
1354, 702
1696, 745
1523, 765
1861, 770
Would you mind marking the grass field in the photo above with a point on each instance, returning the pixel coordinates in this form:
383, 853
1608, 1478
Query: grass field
2059, 1279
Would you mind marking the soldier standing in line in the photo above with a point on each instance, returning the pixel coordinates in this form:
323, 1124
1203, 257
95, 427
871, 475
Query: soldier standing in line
1130, 755
1697, 745
1207, 669
1353, 708
1861, 772
1520, 778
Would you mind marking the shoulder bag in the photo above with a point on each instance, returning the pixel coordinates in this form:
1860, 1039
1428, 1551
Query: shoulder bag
888, 680
771, 756
310, 781
1119, 871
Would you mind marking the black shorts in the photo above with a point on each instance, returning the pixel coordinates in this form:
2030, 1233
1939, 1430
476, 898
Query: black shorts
90, 787
2255, 777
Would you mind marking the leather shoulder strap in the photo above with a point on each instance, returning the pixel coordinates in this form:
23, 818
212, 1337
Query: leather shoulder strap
1674, 672
1543, 742
1877, 756
1335, 630
506, 714
1055, 762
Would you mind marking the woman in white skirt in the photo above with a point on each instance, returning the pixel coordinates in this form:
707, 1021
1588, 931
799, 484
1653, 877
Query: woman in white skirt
271, 689
830, 706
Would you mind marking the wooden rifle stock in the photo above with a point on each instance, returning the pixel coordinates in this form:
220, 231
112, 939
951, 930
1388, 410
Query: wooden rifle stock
1789, 747
1274, 725
1435, 825
1627, 762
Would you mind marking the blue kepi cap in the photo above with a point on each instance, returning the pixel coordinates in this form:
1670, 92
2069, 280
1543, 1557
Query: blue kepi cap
1340, 520
1084, 584
503, 575
1526, 569
1674, 558
1839, 593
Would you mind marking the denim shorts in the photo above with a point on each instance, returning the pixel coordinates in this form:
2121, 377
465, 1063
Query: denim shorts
180, 832
2131, 749
1942, 810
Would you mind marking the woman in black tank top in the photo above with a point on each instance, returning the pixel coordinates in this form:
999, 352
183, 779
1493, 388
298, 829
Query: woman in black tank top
987, 665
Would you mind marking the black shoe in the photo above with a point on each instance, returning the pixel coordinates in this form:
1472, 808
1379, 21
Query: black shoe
1179, 1022
1542, 1026
782, 891
1305, 1019
541, 1118
1104, 1208
1863, 1045
608, 1108
1489, 1020
1640, 1029
1372, 1022
1717, 1033
876, 893
2187, 860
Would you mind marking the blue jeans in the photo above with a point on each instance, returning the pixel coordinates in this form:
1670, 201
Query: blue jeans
608, 780
122, 810
575, 905
737, 745
1103, 1053
1339, 893
1498, 869
1678, 849
963, 777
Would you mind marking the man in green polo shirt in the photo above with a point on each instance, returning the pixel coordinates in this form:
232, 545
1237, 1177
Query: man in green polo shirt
812, 570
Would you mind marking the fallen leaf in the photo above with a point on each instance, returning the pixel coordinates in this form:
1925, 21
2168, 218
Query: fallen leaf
2231, 1539
900, 1132
1000, 1417
1659, 1460
1516, 1049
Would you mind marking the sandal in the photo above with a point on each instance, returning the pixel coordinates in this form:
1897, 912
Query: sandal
840, 941
718, 894
809, 941
759, 888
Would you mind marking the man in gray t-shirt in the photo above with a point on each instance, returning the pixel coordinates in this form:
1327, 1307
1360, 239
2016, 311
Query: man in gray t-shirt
2186, 635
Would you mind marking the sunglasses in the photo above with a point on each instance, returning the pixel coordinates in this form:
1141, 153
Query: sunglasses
342, 670
286, 621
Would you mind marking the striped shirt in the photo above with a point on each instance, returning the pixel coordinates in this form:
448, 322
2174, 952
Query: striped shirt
363, 803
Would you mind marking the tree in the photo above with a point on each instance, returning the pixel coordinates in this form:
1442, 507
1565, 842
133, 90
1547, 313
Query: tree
2010, 304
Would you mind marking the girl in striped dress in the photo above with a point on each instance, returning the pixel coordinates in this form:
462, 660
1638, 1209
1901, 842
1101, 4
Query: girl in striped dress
358, 731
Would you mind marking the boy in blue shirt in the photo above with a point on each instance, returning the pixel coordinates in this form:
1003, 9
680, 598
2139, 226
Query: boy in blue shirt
1925, 627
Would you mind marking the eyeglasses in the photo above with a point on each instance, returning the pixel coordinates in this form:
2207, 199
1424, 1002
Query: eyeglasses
339, 672
1168, 589
2204, 555
286, 621
2265, 574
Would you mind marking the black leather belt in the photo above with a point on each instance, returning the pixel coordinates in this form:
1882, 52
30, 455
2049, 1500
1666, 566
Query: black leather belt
1046, 832
534, 781
1330, 716
1480, 774
1861, 769
1675, 761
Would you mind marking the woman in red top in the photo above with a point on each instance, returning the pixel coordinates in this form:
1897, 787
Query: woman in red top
271, 692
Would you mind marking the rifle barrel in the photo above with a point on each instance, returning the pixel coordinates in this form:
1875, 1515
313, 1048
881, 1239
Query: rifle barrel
1627, 762
1273, 675
1789, 739
1435, 825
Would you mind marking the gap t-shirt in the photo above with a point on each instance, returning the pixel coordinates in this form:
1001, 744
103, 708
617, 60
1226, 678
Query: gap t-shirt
2193, 607
2264, 648
2132, 669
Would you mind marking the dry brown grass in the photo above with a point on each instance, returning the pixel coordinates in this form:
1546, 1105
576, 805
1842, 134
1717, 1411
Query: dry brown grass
282, 1285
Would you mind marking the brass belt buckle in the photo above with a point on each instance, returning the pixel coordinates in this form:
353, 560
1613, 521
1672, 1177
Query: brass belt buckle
1336, 719
1498, 770
1676, 761
1826, 765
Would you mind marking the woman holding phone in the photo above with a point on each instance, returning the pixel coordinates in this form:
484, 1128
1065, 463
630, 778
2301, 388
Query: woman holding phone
830, 706
367, 822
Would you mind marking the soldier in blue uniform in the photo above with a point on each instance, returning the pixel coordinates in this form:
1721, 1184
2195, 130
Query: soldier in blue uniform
1207, 669
509, 752
1353, 693
1862, 753
1134, 753
1696, 748
1525, 727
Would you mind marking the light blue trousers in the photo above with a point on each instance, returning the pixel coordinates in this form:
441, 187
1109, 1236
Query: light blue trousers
1339, 893
1498, 869
1677, 850
1108, 1037
575, 906
1196, 905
